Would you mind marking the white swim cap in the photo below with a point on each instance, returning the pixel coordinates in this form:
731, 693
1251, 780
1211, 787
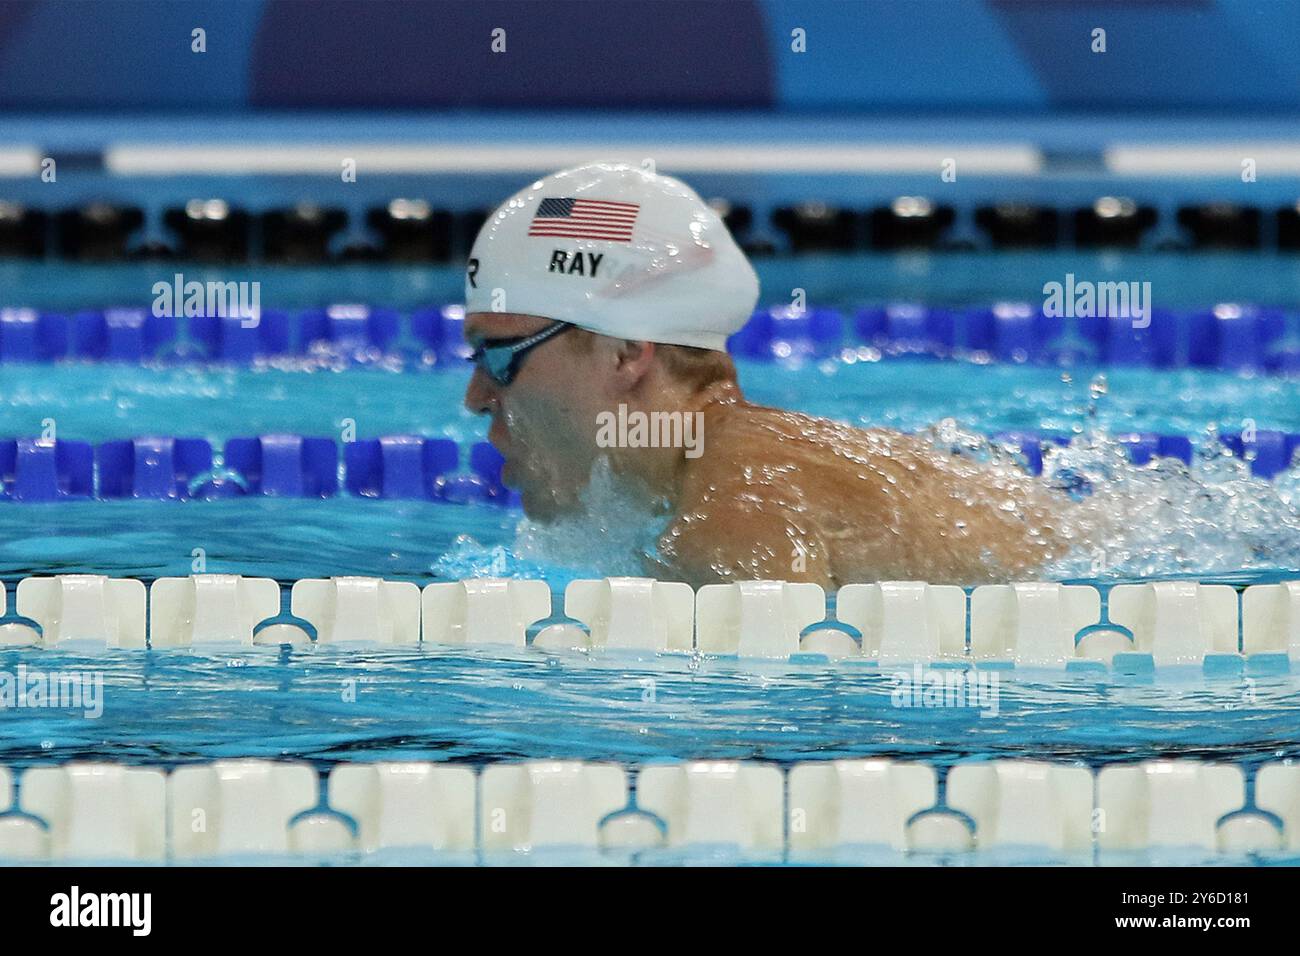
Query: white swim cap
618, 250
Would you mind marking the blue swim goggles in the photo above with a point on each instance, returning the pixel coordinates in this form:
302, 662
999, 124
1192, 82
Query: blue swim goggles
501, 359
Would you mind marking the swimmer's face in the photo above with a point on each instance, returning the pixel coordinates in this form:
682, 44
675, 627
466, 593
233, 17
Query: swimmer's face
544, 421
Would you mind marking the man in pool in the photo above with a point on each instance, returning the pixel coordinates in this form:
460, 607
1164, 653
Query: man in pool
599, 301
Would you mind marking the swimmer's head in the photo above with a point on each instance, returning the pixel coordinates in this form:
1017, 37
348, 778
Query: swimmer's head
639, 285
618, 250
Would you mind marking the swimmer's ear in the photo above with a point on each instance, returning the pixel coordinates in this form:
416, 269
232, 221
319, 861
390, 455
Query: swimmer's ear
634, 361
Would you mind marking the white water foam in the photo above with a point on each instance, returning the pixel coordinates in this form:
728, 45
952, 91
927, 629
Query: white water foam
1162, 518
613, 533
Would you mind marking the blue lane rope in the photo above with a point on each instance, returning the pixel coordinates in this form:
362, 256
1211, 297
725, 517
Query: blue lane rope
1226, 336
415, 467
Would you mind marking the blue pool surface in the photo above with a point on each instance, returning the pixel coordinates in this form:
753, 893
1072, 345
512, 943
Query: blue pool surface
416, 540
175, 707
178, 706
327, 705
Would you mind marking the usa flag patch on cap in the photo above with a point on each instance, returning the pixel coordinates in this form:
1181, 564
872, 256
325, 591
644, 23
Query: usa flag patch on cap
569, 218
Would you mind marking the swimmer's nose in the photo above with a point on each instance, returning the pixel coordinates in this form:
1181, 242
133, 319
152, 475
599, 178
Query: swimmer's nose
481, 395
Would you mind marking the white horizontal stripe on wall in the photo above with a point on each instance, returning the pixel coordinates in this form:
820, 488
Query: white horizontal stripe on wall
165, 159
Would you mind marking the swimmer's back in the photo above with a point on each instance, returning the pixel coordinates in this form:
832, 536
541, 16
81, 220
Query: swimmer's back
789, 496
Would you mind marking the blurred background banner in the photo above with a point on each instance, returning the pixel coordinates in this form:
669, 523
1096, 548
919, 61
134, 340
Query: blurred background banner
870, 57
378, 134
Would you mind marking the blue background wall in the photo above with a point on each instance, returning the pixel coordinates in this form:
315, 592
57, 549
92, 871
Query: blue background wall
878, 56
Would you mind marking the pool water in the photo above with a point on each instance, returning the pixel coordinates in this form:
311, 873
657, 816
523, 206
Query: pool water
329, 703
332, 704
412, 540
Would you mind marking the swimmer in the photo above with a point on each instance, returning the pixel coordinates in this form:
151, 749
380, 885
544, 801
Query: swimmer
606, 293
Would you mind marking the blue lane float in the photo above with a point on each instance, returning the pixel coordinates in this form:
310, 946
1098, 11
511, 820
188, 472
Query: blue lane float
1143, 447
1030, 446
904, 328
1146, 344
121, 335
233, 338
414, 467
483, 483
29, 336
409, 466
289, 466
440, 331
1269, 452
1011, 332
293, 466
399, 466
37, 469
1232, 337
787, 332
151, 467
348, 328
1228, 337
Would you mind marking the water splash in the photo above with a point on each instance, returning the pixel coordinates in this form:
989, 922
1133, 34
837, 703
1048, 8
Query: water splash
468, 558
613, 532
1212, 517
1209, 518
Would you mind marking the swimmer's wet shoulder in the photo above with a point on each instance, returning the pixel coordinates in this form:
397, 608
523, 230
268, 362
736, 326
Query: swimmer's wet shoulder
741, 511
792, 497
